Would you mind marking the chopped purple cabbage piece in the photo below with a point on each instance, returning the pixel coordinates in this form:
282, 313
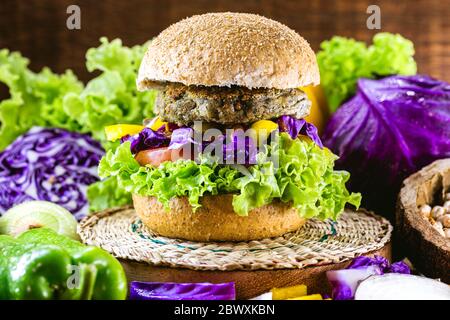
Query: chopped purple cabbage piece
182, 291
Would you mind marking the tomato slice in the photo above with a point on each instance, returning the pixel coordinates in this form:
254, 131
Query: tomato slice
155, 157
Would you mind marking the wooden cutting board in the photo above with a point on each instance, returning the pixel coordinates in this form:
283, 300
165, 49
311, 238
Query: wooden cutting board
249, 284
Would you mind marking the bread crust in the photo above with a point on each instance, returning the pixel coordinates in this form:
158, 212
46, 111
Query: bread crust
226, 49
215, 220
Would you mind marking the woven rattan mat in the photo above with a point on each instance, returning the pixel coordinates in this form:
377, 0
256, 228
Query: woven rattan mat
120, 232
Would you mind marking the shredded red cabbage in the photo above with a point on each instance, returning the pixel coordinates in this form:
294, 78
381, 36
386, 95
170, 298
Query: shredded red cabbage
181, 137
240, 148
295, 127
382, 262
237, 148
147, 139
49, 164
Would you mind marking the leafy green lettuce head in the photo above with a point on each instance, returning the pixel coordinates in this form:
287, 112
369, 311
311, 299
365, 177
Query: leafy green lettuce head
342, 61
47, 99
304, 177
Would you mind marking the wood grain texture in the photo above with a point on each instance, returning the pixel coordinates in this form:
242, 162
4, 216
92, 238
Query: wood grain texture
249, 284
37, 28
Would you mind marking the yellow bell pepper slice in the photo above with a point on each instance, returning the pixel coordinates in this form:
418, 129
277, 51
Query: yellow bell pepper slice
319, 109
118, 131
289, 292
262, 129
157, 123
310, 297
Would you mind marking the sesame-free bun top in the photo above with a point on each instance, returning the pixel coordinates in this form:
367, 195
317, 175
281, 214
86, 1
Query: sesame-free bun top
225, 49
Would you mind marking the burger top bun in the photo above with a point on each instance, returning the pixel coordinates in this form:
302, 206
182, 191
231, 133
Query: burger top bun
229, 49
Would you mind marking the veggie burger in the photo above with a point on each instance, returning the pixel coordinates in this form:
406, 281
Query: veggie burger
229, 156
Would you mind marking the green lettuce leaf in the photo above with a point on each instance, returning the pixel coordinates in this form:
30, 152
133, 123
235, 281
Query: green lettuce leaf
111, 97
50, 100
342, 61
304, 177
36, 99
107, 194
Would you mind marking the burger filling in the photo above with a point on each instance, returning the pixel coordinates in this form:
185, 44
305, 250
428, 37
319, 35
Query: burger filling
183, 105
280, 158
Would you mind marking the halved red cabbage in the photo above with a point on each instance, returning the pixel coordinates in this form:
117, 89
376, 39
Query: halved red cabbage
49, 164
182, 291
390, 129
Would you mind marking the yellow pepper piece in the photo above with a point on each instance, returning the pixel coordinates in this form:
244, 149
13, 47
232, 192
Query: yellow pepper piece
262, 129
118, 131
289, 292
157, 123
319, 109
310, 297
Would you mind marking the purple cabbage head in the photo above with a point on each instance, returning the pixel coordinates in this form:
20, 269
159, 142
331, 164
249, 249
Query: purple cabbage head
391, 128
52, 165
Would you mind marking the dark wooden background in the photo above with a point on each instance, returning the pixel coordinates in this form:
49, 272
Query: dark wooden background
37, 28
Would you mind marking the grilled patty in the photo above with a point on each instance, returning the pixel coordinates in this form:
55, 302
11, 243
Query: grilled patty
235, 105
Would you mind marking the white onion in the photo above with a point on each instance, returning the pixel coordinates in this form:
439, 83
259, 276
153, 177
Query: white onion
33, 214
394, 286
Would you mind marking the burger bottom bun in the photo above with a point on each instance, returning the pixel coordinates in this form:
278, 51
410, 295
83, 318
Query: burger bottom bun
216, 220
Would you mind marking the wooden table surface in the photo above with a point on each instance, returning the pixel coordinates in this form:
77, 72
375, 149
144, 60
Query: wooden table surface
37, 28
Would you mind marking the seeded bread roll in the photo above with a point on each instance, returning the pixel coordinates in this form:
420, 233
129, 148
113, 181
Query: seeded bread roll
229, 49
216, 220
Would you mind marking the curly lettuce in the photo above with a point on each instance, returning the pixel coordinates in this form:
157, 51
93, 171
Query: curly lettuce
106, 194
46, 99
35, 99
343, 61
112, 97
304, 177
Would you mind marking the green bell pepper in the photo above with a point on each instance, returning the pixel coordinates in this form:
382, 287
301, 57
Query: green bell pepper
41, 264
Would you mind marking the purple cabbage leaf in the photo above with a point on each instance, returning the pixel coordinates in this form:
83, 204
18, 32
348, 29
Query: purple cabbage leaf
345, 282
147, 139
182, 291
295, 127
391, 128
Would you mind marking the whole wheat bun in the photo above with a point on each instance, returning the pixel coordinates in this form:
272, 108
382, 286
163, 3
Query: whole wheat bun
225, 49
215, 220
